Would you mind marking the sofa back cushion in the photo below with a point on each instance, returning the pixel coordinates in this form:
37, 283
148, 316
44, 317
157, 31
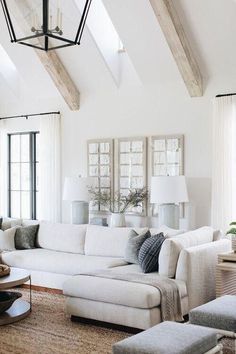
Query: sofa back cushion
106, 241
172, 247
167, 231
62, 237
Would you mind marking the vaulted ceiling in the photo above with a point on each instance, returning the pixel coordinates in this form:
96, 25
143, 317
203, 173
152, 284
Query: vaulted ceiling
209, 25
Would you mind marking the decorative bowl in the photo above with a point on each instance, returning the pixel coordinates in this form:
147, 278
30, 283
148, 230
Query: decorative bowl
4, 270
7, 298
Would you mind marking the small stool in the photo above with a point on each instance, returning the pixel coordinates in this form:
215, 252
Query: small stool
171, 337
219, 314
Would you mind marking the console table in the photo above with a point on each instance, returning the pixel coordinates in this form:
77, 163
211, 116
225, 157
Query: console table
226, 274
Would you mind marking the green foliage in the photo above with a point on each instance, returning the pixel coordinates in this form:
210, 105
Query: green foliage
232, 231
119, 203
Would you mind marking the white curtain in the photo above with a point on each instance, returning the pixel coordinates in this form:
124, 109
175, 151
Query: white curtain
50, 168
223, 168
3, 170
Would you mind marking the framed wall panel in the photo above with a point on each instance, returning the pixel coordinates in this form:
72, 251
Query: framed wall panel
167, 157
101, 166
132, 167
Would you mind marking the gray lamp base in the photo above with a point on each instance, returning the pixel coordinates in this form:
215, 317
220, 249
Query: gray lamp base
169, 215
79, 212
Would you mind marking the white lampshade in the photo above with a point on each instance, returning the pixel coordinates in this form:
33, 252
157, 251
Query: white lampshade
76, 188
168, 190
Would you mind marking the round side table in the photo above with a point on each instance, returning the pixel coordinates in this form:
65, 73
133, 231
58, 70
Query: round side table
20, 308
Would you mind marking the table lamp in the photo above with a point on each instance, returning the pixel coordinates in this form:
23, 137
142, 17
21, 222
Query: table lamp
76, 191
168, 192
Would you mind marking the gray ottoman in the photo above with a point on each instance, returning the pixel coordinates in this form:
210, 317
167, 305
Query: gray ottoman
170, 338
221, 315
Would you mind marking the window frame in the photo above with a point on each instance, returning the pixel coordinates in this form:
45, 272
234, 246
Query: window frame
32, 164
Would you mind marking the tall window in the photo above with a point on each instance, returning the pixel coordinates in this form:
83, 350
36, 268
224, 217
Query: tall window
23, 175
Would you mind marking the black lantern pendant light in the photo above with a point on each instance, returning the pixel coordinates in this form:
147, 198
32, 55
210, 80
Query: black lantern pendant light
44, 25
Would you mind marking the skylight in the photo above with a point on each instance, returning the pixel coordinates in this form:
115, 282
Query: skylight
8, 71
105, 36
7, 67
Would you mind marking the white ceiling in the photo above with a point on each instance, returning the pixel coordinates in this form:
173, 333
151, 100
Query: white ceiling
210, 26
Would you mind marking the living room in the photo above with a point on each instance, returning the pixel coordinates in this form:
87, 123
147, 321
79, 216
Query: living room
153, 79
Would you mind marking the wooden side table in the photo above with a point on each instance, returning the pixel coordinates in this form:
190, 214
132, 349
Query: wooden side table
226, 274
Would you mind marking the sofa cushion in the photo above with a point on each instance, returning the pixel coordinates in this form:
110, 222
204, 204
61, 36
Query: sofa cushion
167, 231
58, 262
106, 241
117, 292
172, 247
61, 237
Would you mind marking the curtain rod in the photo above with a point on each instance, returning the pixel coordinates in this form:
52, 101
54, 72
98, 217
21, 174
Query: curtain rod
226, 94
26, 116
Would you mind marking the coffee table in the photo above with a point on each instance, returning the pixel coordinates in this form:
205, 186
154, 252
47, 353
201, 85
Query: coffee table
20, 308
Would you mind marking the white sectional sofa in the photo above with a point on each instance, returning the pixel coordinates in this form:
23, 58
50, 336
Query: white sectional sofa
67, 251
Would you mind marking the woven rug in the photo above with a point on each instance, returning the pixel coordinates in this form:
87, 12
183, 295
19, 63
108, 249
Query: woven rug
49, 330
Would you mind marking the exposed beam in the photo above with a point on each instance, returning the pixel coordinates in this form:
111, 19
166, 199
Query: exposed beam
174, 33
61, 78
52, 64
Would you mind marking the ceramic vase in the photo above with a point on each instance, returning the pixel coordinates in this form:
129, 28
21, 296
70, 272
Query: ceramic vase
117, 220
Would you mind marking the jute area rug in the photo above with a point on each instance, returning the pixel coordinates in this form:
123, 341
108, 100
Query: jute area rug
49, 330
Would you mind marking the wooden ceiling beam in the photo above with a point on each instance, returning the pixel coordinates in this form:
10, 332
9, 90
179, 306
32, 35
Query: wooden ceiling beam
52, 63
174, 33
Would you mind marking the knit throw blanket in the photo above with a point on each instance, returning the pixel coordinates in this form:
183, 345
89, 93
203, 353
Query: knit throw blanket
170, 296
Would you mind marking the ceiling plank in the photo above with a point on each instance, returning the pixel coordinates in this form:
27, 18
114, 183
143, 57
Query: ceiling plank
52, 64
174, 33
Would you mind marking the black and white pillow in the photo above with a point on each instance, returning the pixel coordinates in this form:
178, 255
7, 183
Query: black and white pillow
149, 253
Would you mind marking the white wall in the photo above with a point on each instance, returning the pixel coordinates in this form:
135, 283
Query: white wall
151, 98
145, 111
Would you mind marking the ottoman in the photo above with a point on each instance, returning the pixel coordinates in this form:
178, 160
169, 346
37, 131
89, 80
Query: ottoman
219, 314
170, 338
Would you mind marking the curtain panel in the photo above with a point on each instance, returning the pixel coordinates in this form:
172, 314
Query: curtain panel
3, 170
50, 168
224, 162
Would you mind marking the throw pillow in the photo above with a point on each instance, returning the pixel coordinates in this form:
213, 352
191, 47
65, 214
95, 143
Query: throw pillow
1, 220
25, 237
217, 235
9, 223
149, 253
7, 239
134, 244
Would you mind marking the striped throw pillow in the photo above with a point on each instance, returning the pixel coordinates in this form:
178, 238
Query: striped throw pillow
149, 253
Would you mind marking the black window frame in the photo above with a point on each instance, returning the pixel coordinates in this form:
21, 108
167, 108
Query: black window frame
33, 163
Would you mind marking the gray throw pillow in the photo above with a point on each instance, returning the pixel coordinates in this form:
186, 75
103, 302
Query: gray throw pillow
25, 237
149, 253
134, 244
